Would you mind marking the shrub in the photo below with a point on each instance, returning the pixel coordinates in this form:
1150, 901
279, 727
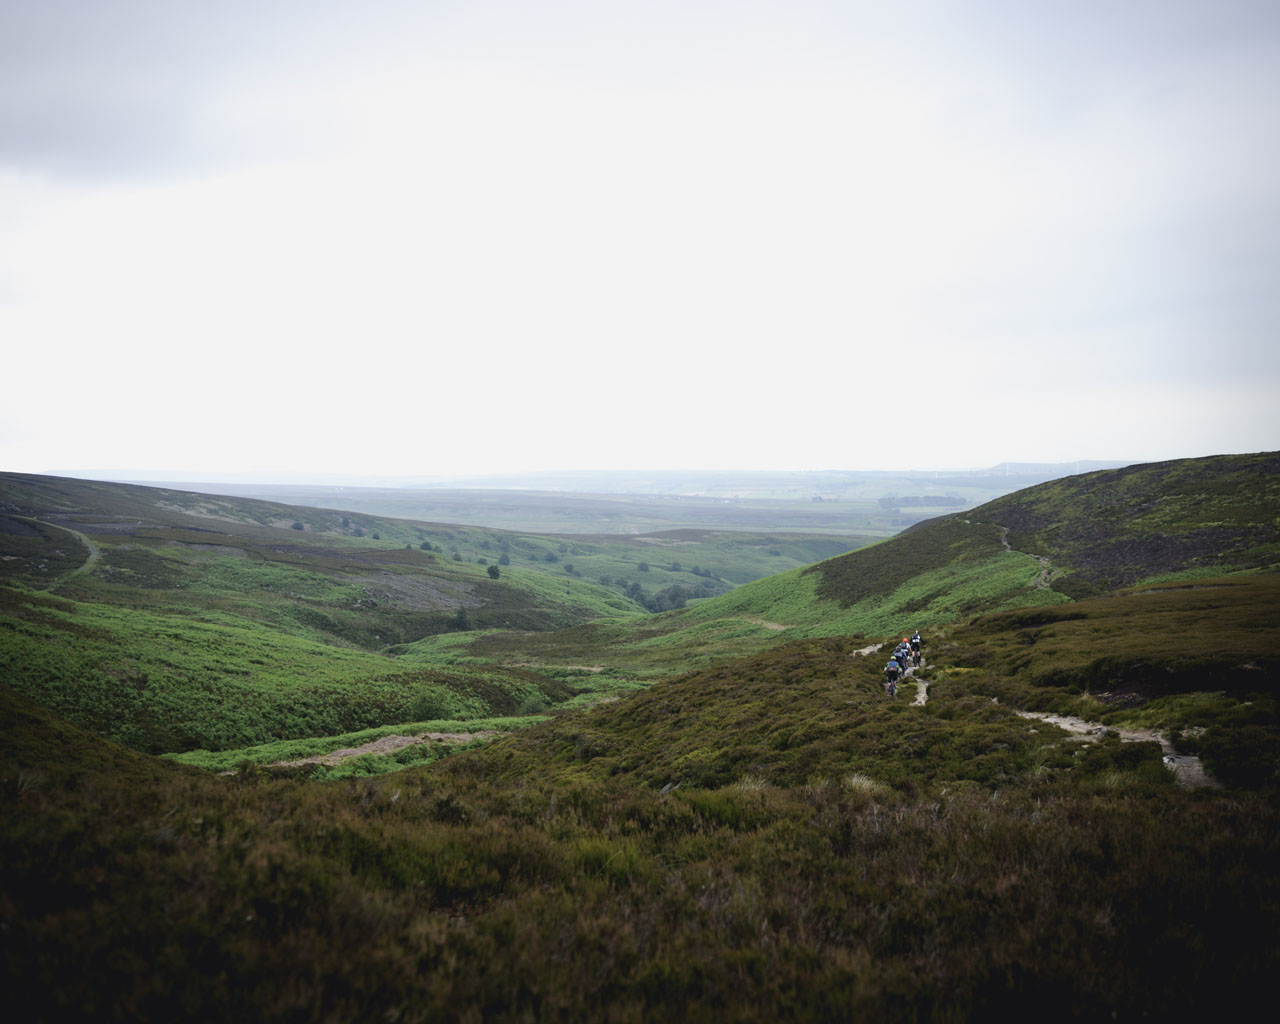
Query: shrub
428, 706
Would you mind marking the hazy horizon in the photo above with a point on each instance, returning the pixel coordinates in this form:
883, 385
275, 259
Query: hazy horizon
518, 481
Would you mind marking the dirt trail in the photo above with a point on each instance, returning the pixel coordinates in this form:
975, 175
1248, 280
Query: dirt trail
95, 553
1042, 581
922, 691
387, 745
763, 622
922, 685
1186, 768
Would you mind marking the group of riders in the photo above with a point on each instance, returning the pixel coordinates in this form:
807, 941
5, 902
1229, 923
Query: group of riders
906, 654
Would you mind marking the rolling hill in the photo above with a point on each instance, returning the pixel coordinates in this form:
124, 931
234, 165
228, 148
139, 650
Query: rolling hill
1046, 545
171, 620
756, 833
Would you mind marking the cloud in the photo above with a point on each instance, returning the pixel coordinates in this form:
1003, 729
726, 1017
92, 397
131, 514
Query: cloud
578, 234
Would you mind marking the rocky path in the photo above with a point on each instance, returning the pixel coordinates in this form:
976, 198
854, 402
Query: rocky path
1186, 768
922, 692
387, 745
922, 686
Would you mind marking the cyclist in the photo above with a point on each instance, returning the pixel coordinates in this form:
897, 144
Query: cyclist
892, 670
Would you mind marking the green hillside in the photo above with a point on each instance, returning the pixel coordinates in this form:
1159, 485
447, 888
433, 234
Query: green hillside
942, 570
1164, 520
171, 620
770, 838
1071, 810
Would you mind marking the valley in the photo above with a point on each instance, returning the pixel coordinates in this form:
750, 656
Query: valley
272, 761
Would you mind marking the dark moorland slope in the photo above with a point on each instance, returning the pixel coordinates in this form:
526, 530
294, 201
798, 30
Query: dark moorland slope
1087, 536
1098, 531
759, 833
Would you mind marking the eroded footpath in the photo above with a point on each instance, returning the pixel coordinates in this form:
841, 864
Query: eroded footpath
1186, 768
387, 745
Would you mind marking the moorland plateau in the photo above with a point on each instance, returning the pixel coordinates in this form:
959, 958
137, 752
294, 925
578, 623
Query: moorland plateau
274, 762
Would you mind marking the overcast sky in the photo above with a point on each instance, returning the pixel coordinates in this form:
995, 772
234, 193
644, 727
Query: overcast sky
251, 237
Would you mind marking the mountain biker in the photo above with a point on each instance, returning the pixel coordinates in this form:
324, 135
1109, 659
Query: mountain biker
892, 670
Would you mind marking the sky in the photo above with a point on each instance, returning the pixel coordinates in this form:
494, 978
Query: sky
334, 239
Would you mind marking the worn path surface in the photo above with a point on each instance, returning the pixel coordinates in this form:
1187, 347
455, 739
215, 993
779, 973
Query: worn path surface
1042, 581
94, 552
1186, 768
922, 686
387, 745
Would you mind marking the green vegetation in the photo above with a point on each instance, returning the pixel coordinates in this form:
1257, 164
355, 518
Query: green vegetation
316, 747
1151, 521
713, 812
1200, 663
860, 859
165, 682
782, 607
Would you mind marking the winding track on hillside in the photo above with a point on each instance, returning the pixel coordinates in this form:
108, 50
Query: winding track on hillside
1042, 581
922, 687
95, 553
1187, 769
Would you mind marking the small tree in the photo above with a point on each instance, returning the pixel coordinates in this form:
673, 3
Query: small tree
461, 620
425, 545
430, 705
643, 566
493, 572
504, 559
298, 526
